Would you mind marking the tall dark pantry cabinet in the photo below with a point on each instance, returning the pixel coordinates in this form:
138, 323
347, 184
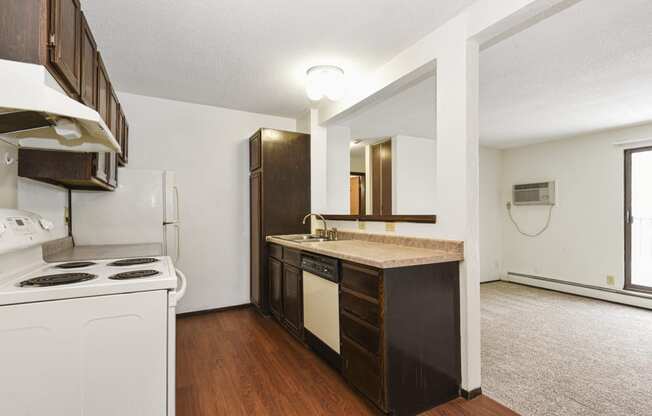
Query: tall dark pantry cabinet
279, 191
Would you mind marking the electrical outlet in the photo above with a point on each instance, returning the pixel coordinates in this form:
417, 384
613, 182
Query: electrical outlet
611, 280
390, 226
362, 225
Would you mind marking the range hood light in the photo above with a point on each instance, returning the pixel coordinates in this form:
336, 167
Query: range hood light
67, 129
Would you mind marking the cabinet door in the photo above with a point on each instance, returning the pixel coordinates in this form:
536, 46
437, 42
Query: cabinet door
292, 298
124, 137
102, 94
255, 195
88, 84
255, 152
114, 113
65, 34
275, 270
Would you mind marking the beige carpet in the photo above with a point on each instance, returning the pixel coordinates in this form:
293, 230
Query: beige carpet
546, 353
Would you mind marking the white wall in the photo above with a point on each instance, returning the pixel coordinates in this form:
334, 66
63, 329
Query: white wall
491, 214
48, 201
414, 175
338, 165
358, 163
584, 243
208, 149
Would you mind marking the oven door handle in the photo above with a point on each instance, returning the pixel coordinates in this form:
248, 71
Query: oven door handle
181, 291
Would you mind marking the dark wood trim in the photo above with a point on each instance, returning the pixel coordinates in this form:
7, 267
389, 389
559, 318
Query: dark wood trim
626, 218
424, 219
470, 395
215, 310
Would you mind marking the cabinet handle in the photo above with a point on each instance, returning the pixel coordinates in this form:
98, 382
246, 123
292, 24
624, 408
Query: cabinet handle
52, 41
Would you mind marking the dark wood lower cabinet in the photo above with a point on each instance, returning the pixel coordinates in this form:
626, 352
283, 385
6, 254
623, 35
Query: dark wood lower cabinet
399, 328
401, 335
275, 270
292, 299
286, 288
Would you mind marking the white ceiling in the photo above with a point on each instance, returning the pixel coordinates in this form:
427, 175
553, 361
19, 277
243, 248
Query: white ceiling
410, 112
586, 69
252, 55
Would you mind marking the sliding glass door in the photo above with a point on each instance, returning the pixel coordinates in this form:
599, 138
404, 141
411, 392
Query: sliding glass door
638, 219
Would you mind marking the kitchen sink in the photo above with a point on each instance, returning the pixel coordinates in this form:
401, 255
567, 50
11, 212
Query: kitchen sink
303, 238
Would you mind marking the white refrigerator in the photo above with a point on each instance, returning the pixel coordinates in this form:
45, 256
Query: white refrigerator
143, 209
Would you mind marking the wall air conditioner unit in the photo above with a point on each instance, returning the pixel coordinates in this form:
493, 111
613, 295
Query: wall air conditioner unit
540, 193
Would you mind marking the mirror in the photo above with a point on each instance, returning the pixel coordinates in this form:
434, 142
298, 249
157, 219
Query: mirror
392, 176
382, 157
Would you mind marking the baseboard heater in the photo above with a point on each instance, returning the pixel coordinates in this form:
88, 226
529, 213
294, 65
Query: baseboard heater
582, 285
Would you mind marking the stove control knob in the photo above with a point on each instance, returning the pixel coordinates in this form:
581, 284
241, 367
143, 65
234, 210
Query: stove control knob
45, 224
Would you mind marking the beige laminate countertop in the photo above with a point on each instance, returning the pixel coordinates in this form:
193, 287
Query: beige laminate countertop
103, 252
375, 254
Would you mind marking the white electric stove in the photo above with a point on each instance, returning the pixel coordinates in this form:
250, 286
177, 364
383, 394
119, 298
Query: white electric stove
95, 337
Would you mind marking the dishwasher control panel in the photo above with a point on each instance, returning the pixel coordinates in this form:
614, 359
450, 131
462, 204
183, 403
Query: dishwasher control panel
325, 267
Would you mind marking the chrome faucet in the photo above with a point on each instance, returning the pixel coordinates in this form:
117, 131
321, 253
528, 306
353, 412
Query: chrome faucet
317, 215
326, 233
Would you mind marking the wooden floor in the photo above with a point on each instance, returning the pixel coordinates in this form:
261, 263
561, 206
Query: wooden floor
239, 363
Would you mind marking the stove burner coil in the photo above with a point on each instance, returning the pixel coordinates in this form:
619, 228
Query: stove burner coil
75, 265
133, 262
136, 274
57, 279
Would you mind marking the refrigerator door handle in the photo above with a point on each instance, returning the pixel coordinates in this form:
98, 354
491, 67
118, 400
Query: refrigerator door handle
178, 241
176, 199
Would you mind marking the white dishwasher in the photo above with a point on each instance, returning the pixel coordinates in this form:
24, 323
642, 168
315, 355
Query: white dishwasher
321, 306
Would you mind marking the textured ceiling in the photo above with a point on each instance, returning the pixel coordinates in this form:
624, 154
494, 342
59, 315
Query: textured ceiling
410, 112
252, 55
586, 69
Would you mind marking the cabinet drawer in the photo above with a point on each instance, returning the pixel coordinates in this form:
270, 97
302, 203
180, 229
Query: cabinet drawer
276, 251
360, 279
292, 257
361, 308
361, 370
361, 332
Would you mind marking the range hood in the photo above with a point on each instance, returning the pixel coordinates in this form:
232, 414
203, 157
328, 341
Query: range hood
35, 113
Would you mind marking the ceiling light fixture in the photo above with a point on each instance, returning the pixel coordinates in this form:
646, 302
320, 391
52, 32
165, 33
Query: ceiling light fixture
325, 81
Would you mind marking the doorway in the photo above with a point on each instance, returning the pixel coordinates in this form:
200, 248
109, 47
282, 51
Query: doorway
638, 219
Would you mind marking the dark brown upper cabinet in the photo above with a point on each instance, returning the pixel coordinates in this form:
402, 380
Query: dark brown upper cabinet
55, 34
65, 41
114, 114
102, 92
255, 151
88, 171
88, 77
123, 158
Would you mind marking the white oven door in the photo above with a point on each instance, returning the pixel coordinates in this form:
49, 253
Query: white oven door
100, 356
321, 309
